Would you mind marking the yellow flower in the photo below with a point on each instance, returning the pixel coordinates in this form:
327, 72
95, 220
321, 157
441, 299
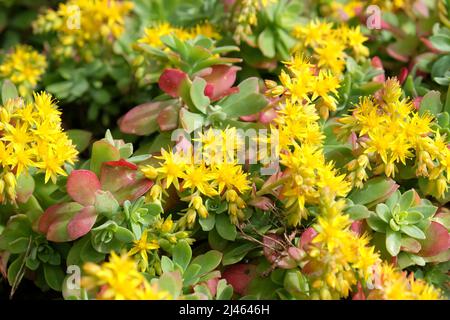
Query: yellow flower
171, 169
141, 247
355, 41
32, 137
24, 66
198, 177
119, 279
84, 27
391, 132
229, 176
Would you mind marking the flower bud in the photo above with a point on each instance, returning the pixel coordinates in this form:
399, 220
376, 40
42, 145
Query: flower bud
149, 172
203, 212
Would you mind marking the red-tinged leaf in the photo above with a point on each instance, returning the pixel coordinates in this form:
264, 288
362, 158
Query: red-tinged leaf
122, 163
250, 118
421, 8
113, 178
172, 81
239, 276
57, 232
81, 223
358, 227
263, 203
209, 90
124, 183
134, 191
429, 45
410, 245
267, 116
57, 212
307, 236
403, 75
82, 185
168, 118
221, 78
296, 253
359, 295
378, 64
416, 102
102, 151
142, 119
437, 240
25, 187
396, 55
212, 285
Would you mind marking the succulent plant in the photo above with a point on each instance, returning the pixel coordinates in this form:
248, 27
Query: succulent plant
403, 216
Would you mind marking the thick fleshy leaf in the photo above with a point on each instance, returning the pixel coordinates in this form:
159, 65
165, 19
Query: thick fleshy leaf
247, 101
62, 211
105, 203
173, 82
413, 231
307, 236
393, 241
102, 151
168, 118
122, 163
406, 200
124, 183
197, 93
239, 276
437, 240
82, 185
143, 119
81, 223
221, 78
80, 138
410, 245
383, 212
375, 190
9, 91
25, 187
190, 121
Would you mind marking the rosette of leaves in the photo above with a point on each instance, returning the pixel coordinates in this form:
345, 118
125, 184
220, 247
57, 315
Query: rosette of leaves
190, 56
110, 181
191, 100
196, 278
409, 232
26, 253
271, 39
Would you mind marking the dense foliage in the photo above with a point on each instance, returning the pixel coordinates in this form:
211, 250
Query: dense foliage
225, 149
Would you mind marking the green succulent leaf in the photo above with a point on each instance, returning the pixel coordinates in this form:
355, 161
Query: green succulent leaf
413, 231
406, 200
393, 241
383, 212
413, 217
376, 224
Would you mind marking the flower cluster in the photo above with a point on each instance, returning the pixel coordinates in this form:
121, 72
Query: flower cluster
84, 26
390, 284
330, 45
119, 279
211, 171
338, 256
152, 35
390, 133
306, 81
32, 137
23, 66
